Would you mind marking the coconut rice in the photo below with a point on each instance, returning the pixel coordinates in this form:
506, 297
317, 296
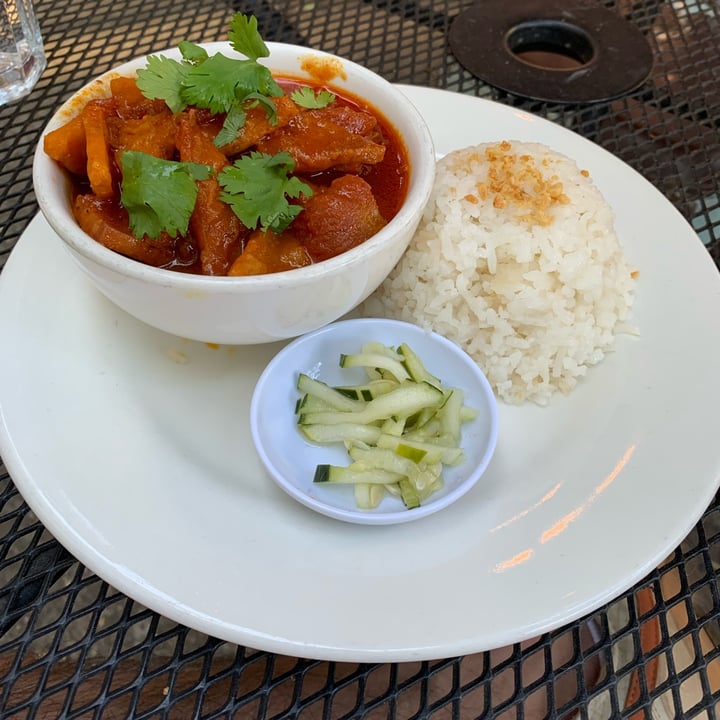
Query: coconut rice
517, 261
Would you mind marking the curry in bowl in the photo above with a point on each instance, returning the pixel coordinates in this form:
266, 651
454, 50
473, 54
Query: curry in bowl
211, 165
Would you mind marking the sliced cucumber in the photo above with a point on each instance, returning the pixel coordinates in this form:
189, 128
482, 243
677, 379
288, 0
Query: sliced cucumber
394, 426
367, 392
415, 367
330, 396
392, 489
350, 475
377, 347
407, 399
411, 453
399, 428
468, 413
428, 491
384, 459
341, 432
430, 429
368, 495
426, 477
450, 416
311, 403
446, 454
377, 361
420, 419
409, 494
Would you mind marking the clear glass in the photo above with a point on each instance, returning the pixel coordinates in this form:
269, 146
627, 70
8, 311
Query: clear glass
22, 57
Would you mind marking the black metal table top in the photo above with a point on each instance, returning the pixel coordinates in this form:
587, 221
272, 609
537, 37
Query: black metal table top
73, 647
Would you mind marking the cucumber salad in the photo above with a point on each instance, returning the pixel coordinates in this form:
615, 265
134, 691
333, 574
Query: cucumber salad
400, 426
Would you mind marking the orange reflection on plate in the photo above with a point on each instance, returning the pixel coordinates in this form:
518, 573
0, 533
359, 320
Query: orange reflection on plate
564, 522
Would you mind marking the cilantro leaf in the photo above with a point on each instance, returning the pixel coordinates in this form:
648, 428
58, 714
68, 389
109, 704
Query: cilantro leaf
194, 54
257, 186
220, 82
306, 97
158, 194
216, 83
245, 38
265, 83
234, 121
212, 84
235, 118
162, 79
254, 99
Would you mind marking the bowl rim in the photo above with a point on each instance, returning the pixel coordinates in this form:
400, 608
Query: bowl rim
421, 181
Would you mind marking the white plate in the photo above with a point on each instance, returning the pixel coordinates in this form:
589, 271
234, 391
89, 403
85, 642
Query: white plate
133, 447
291, 459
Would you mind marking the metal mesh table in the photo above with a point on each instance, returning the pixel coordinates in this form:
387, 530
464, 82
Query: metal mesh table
73, 647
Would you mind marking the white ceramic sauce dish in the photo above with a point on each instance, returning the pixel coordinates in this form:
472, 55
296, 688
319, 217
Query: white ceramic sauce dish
291, 459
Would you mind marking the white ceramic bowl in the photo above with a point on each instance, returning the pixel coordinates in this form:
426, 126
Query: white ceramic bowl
291, 459
264, 308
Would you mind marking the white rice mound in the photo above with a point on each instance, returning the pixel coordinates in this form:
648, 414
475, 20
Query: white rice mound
516, 260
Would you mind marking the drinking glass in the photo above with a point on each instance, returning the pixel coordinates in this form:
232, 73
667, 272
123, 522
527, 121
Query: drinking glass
22, 57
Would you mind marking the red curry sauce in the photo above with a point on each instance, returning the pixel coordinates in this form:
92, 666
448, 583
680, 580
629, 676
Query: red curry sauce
353, 198
388, 179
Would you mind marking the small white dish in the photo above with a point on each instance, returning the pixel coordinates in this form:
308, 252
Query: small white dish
291, 459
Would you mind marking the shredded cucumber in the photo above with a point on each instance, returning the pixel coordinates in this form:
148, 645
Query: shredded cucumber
368, 495
341, 432
400, 427
367, 392
330, 396
407, 399
355, 473
377, 361
415, 367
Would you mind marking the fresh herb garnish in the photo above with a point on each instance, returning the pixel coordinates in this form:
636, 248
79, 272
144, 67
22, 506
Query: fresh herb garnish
217, 83
158, 194
234, 122
220, 83
245, 37
257, 187
306, 97
192, 53
235, 118
162, 79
